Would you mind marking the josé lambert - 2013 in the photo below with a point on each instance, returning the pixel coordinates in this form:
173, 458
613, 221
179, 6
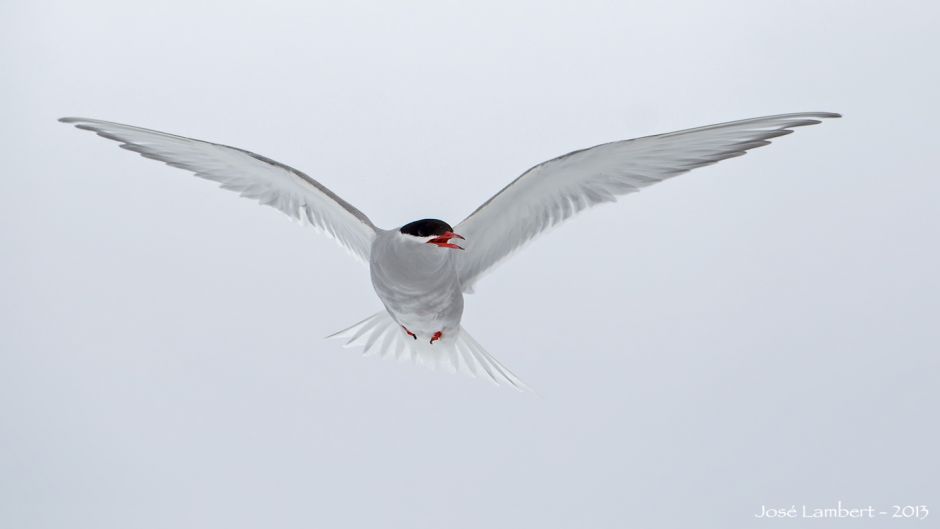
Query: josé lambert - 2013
840, 511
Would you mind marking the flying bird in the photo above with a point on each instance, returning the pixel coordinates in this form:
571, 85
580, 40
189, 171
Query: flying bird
421, 271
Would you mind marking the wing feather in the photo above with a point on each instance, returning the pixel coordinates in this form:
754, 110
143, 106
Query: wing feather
252, 176
555, 190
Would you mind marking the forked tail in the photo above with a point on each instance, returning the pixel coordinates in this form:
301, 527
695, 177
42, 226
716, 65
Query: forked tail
380, 335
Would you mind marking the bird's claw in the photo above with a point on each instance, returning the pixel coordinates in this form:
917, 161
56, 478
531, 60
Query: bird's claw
436, 337
409, 332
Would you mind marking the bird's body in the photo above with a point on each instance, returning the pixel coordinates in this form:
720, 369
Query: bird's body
418, 284
418, 271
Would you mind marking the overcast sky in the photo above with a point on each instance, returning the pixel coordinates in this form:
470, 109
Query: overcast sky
763, 331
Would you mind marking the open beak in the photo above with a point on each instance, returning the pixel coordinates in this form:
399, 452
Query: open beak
444, 240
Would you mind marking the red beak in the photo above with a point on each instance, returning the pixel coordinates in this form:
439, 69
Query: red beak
443, 240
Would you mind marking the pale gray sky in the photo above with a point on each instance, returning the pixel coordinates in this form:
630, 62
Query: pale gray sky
759, 332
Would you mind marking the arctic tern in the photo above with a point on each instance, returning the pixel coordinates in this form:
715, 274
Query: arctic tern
420, 271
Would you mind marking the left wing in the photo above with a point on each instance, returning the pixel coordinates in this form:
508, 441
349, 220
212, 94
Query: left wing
251, 175
559, 188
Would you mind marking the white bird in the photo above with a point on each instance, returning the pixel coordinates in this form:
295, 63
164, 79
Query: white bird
418, 271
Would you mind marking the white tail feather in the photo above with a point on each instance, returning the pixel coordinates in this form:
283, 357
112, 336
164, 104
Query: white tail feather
380, 335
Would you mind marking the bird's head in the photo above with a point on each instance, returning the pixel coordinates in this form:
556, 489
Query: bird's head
431, 231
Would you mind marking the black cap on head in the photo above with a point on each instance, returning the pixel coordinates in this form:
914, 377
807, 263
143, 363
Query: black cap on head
426, 228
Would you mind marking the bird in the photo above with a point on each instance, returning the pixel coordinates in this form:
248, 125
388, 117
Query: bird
421, 270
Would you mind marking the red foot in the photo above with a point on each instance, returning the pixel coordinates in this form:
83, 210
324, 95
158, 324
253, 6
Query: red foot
409, 332
436, 337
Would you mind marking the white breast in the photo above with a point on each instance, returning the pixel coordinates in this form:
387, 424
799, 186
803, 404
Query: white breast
417, 283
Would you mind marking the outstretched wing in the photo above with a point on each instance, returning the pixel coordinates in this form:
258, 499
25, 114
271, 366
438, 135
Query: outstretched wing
252, 176
557, 189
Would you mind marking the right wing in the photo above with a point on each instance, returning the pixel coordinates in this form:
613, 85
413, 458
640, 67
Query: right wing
252, 176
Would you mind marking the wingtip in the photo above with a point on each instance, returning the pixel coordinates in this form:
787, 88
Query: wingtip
810, 116
76, 119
